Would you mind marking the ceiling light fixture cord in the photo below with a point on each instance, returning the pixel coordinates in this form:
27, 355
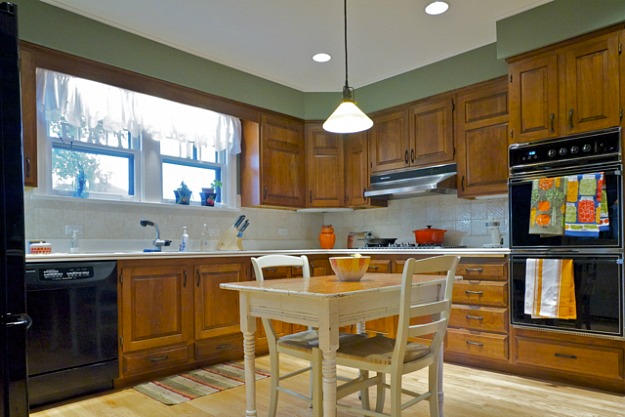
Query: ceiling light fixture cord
345, 26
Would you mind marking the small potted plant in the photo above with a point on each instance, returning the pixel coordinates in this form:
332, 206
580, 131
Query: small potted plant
183, 194
209, 195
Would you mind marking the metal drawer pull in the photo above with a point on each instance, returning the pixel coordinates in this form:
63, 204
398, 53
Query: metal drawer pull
469, 292
474, 317
224, 346
374, 267
470, 342
564, 355
474, 269
159, 358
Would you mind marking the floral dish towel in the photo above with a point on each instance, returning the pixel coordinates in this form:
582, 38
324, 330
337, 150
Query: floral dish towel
547, 206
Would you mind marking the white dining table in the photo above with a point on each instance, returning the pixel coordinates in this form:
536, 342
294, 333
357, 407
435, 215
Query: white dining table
326, 303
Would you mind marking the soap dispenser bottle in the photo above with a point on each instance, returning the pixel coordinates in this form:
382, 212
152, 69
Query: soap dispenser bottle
73, 244
184, 240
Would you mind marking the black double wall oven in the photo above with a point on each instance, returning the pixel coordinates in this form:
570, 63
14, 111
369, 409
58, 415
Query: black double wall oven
595, 249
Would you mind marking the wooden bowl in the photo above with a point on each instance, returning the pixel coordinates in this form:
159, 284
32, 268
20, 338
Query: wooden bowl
350, 268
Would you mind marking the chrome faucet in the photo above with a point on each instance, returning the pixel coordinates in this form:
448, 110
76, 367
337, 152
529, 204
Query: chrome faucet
157, 242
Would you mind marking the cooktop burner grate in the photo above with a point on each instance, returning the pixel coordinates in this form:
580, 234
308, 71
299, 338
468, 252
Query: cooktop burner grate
411, 246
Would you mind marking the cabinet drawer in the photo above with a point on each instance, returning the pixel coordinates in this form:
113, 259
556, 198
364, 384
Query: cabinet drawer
493, 293
219, 348
487, 345
274, 272
591, 360
490, 319
379, 265
154, 359
472, 271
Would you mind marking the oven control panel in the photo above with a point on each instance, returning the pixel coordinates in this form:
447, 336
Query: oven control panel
602, 146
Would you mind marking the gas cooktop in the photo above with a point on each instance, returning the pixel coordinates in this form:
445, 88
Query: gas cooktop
411, 246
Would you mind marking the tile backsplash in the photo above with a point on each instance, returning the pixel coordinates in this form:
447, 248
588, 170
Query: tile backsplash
114, 226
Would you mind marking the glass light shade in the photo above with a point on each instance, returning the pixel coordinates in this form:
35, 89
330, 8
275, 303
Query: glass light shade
436, 7
347, 118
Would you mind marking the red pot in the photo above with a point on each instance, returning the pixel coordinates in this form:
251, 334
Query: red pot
429, 236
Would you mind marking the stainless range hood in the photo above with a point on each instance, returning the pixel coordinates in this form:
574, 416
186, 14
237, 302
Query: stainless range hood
439, 179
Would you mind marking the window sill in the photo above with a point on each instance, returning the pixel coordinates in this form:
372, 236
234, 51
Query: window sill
129, 203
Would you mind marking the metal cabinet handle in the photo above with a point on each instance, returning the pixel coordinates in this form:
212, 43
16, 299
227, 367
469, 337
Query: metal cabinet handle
552, 118
474, 269
469, 292
571, 118
471, 342
184, 280
265, 191
197, 279
406, 157
462, 183
27, 167
158, 358
374, 267
564, 355
310, 197
224, 346
474, 317
412, 155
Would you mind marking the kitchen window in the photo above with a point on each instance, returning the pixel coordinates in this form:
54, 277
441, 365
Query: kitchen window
106, 142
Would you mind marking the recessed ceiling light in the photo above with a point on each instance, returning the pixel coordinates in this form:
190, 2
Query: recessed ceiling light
436, 7
322, 57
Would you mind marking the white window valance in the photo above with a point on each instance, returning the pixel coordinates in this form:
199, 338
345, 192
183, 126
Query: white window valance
82, 102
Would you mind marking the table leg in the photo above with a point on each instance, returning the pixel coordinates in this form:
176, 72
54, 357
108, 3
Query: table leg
248, 328
328, 344
440, 383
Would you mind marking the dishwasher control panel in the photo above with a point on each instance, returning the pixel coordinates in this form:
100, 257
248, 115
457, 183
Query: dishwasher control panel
55, 274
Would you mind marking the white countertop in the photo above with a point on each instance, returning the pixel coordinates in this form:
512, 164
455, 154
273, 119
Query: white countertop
101, 256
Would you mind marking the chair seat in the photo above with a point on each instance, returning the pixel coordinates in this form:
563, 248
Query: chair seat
307, 340
379, 349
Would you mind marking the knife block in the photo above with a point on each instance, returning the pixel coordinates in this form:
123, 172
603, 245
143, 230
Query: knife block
229, 240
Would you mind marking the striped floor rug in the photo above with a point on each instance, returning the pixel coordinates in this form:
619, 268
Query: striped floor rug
204, 381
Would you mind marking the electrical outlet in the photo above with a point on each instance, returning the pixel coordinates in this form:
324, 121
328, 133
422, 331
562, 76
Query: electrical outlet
283, 231
69, 229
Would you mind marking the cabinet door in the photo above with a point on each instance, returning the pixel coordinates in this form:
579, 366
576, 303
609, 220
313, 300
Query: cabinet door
388, 142
482, 139
534, 98
431, 131
217, 310
156, 305
324, 167
592, 85
282, 168
356, 169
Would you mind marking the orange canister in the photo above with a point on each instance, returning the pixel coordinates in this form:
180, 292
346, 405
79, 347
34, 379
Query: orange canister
327, 237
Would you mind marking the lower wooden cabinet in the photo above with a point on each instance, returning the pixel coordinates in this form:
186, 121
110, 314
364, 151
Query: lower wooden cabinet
173, 315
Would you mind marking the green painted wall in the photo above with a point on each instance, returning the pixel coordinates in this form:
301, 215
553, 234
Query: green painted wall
55, 28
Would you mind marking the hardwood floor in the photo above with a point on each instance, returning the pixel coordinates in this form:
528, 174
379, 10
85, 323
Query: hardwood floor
468, 393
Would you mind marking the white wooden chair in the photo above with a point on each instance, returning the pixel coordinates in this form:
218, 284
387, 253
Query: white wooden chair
303, 345
399, 356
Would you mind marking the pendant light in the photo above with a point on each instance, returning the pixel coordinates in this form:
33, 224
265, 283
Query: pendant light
347, 118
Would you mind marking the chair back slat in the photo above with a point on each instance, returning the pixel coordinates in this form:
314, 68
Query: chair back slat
271, 261
432, 307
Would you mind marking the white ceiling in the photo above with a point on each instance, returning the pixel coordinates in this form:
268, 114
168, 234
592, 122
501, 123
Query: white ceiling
275, 39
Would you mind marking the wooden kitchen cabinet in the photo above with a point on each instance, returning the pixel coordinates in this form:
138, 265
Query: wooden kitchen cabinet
567, 89
482, 138
478, 323
156, 315
388, 141
273, 163
431, 131
325, 166
357, 177
29, 115
217, 332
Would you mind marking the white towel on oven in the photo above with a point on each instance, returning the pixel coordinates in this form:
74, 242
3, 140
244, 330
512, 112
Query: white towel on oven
550, 288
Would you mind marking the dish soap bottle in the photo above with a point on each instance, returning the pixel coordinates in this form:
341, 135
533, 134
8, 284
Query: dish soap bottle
184, 240
73, 244
205, 239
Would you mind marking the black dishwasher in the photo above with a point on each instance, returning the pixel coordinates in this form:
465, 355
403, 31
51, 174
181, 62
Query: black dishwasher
72, 343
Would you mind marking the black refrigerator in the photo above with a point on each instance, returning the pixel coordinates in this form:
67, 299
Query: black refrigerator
14, 321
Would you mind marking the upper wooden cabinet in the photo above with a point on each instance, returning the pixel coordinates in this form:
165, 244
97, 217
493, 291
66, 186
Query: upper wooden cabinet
418, 135
566, 90
431, 130
356, 169
482, 138
324, 167
29, 115
273, 163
